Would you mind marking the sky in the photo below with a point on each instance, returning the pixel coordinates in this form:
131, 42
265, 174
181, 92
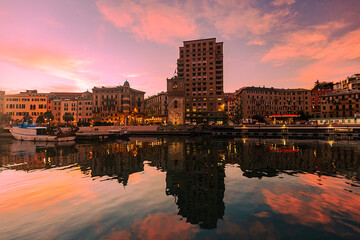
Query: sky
74, 45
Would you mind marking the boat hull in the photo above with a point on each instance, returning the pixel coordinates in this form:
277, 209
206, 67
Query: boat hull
40, 138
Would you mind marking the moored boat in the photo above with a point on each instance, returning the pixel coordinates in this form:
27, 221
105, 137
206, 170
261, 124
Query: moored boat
28, 132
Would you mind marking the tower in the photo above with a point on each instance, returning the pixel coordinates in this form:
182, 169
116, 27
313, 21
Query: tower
200, 68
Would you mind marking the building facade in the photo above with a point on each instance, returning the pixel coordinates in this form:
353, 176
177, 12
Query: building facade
79, 105
156, 108
200, 67
85, 107
176, 101
119, 105
263, 101
29, 103
229, 100
2, 101
340, 103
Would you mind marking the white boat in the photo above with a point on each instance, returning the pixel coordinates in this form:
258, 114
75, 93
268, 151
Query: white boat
30, 132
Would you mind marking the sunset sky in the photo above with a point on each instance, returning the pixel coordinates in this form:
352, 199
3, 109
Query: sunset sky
73, 45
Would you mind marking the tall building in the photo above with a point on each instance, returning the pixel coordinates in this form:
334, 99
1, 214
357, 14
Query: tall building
176, 101
273, 101
120, 105
29, 103
156, 108
200, 66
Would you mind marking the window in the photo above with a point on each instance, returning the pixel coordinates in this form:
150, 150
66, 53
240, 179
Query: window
175, 104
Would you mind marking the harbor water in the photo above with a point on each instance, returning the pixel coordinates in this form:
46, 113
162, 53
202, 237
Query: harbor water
180, 188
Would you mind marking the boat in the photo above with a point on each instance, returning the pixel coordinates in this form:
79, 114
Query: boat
29, 132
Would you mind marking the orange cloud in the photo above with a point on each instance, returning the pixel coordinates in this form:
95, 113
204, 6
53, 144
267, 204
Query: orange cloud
156, 226
328, 204
51, 62
153, 20
329, 58
283, 2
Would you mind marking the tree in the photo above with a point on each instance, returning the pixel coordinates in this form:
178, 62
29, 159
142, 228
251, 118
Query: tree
259, 118
68, 117
40, 119
27, 118
5, 118
48, 116
304, 115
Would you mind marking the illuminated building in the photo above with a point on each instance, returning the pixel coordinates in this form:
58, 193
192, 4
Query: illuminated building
29, 103
156, 108
200, 67
120, 104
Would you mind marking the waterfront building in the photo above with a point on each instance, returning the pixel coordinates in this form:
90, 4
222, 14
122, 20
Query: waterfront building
176, 101
263, 101
2, 101
200, 67
79, 105
62, 106
230, 104
352, 82
28, 103
316, 100
341, 103
85, 107
120, 104
156, 108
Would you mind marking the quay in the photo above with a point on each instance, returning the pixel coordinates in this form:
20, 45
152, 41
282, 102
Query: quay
263, 131
243, 131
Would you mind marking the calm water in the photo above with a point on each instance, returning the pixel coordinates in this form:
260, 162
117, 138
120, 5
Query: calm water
178, 188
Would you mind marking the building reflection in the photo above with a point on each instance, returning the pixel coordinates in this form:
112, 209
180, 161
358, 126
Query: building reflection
195, 177
261, 158
195, 168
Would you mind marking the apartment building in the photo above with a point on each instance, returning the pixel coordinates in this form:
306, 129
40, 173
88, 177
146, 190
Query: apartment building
85, 107
28, 103
340, 103
273, 101
120, 105
156, 108
200, 66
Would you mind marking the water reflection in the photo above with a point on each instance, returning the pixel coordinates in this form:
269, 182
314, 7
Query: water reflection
309, 191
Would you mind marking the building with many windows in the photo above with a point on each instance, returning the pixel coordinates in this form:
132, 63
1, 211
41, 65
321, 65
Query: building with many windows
200, 67
120, 105
340, 103
29, 103
156, 108
263, 101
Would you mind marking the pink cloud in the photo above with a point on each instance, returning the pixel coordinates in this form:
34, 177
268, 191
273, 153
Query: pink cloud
239, 19
153, 20
283, 2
